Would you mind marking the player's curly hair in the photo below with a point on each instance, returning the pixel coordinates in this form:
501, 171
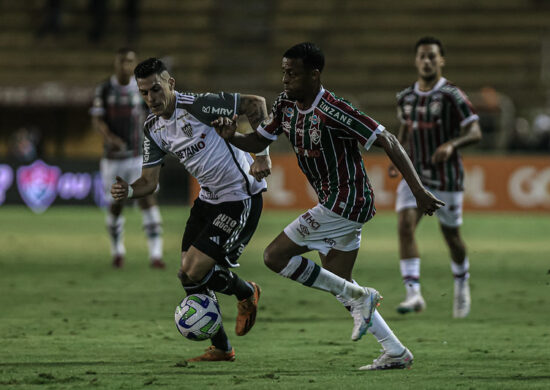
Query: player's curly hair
148, 67
309, 53
430, 41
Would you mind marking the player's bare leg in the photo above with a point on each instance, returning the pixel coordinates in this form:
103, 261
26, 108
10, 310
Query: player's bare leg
460, 267
410, 261
152, 225
283, 257
115, 226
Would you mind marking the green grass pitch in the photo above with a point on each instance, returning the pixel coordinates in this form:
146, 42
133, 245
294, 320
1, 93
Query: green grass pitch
70, 321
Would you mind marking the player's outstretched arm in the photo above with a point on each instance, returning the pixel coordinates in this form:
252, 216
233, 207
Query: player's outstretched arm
254, 108
425, 201
251, 142
145, 185
402, 136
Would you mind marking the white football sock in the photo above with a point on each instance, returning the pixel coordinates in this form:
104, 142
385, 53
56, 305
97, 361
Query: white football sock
152, 225
310, 274
381, 331
385, 336
410, 272
461, 271
115, 227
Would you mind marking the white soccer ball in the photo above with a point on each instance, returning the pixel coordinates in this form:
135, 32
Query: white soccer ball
198, 317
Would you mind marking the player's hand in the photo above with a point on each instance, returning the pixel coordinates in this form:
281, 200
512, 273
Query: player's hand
225, 126
392, 171
442, 153
426, 202
119, 190
261, 167
115, 142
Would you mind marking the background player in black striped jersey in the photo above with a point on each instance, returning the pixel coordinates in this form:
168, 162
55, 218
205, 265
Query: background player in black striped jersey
118, 113
326, 132
437, 120
226, 213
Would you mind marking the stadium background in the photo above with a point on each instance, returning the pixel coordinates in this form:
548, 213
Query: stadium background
498, 51
69, 321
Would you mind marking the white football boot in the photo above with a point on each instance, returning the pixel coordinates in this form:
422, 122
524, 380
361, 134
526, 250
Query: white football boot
387, 362
462, 300
361, 311
413, 302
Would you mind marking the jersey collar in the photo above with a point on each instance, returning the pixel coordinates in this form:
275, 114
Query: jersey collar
314, 104
439, 84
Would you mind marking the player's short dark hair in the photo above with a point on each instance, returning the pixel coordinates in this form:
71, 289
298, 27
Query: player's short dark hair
430, 41
148, 67
309, 53
124, 50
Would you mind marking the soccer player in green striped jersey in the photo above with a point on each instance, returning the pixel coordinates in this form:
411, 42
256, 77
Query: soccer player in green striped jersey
437, 120
326, 132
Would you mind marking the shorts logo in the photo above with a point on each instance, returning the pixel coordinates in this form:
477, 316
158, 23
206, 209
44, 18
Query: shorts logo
37, 185
303, 230
310, 221
225, 223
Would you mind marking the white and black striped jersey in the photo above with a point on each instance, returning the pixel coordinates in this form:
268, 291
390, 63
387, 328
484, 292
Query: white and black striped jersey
220, 168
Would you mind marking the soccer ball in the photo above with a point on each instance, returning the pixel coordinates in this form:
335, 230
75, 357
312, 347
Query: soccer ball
198, 317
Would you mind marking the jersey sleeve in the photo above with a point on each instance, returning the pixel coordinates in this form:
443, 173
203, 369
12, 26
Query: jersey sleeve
354, 122
210, 106
152, 153
271, 127
98, 104
464, 107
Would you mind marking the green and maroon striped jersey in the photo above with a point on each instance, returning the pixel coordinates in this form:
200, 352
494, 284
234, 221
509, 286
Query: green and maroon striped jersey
431, 119
325, 138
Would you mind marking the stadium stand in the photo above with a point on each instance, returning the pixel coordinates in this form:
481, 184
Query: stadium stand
237, 45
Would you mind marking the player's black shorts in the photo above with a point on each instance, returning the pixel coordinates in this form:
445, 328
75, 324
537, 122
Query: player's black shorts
222, 230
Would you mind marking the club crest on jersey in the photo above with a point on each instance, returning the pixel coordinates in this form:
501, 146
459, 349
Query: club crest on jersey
435, 107
315, 135
37, 184
187, 129
288, 111
407, 109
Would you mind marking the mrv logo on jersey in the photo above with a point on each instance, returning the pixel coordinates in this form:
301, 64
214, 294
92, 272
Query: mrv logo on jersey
217, 110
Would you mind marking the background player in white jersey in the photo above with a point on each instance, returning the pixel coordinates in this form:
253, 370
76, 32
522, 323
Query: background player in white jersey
118, 113
325, 132
226, 213
437, 120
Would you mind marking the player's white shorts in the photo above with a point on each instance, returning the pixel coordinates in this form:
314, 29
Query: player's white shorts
320, 229
128, 168
449, 215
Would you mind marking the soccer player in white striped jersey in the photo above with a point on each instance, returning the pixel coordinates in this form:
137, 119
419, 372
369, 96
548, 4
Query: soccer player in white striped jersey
326, 133
117, 114
226, 213
437, 120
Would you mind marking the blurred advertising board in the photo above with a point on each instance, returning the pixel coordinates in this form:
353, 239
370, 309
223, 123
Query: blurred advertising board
41, 184
493, 183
